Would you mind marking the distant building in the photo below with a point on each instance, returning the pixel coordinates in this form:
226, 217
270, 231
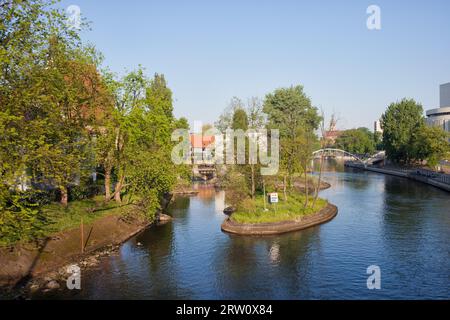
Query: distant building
332, 134
377, 127
440, 117
200, 146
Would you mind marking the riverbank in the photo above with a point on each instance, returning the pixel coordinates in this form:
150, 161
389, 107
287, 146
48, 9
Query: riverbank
45, 262
380, 218
261, 229
416, 175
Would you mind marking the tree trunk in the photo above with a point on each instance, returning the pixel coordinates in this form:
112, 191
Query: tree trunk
107, 184
64, 195
284, 188
118, 190
253, 181
316, 195
264, 193
306, 187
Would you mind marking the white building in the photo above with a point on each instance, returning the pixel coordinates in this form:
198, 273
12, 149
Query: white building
377, 127
441, 116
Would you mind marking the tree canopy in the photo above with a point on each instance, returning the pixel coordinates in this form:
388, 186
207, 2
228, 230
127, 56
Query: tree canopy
407, 138
357, 141
67, 123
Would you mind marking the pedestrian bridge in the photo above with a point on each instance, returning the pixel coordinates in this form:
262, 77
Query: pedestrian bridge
333, 152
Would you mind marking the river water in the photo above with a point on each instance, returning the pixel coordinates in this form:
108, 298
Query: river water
399, 225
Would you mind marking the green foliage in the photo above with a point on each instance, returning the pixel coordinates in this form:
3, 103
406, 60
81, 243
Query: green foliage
137, 144
237, 187
378, 140
431, 144
151, 177
240, 120
406, 138
61, 119
181, 123
359, 140
49, 88
21, 217
85, 189
290, 111
226, 118
252, 211
159, 96
401, 122
61, 218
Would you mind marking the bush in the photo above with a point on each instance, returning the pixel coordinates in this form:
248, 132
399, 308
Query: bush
237, 190
21, 216
247, 205
86, 189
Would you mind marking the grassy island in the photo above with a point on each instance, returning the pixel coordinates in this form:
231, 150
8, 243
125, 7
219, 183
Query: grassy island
252, 211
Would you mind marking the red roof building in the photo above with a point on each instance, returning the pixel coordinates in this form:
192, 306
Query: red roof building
199, 141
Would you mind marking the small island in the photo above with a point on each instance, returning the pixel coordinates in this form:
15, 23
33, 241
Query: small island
280, 194
258, 217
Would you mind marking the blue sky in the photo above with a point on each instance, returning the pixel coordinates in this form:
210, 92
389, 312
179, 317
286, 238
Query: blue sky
211, 51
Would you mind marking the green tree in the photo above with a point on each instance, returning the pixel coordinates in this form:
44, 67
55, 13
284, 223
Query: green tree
159, 96
226, 118
24, 40
183, 171
240, 120
378, 140
356, 141
49, 85
138, 137
290, 111
182, 123
256, 121
430, 144
48, 90
401, 122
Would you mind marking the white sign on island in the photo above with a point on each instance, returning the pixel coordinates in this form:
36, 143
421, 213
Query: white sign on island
273, 197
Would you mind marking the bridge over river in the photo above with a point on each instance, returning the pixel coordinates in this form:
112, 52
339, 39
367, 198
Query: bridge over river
339, 153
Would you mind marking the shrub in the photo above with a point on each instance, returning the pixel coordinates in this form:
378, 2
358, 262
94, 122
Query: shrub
21, 216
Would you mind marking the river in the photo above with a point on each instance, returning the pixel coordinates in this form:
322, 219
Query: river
399, 225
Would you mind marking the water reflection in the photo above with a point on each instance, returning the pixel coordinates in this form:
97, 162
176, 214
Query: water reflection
399, 225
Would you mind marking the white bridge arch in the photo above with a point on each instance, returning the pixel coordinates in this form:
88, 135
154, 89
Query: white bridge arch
379, 156
334, 151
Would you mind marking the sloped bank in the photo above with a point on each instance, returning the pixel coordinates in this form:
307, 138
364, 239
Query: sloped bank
22, 263
261, 229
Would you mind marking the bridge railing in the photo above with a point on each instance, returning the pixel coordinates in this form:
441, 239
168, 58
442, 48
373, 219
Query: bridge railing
363, 158
440, 177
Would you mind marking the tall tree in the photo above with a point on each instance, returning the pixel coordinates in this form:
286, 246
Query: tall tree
400, 123
240, 120
256, 121
290, 111
430, 144
226, 118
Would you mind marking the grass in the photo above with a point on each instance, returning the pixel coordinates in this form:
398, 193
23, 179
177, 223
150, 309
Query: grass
62, 218
252, 211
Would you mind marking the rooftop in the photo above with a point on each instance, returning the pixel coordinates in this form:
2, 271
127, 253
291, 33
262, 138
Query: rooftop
201, 141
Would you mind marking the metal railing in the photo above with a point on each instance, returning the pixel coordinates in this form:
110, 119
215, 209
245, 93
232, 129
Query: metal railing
440, 177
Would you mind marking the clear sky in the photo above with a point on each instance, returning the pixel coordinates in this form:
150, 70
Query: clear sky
211, 51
